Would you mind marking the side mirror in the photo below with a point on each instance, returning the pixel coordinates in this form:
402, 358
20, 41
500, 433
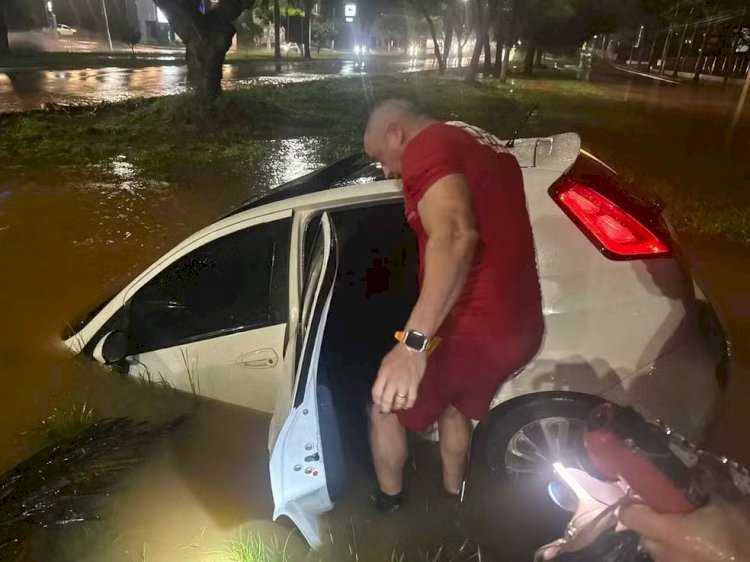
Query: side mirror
112, 348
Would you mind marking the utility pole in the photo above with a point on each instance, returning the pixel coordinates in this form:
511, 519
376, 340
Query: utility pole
680, 47
635, 46
668, 39
106, 23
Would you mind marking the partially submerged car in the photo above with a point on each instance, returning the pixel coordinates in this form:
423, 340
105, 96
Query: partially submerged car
287, 304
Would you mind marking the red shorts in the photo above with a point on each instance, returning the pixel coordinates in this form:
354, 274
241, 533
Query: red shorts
465, 373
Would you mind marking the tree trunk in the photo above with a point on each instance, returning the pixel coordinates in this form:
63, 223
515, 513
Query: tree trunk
650, 62
487, 55
701, 55
665, 51
507, 40
306, 27
450, 18
528, 61
204, 53
433, 33
4, 44
679, 51
481, 26
276, 30
207, 39
539, 57
306, 36
498, 64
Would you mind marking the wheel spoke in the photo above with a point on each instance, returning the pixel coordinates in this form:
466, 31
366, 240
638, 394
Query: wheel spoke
538, 444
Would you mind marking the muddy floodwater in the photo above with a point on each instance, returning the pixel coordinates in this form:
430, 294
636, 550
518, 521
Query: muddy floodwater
70, 237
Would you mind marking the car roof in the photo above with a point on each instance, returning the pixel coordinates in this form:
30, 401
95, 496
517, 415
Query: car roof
354, 170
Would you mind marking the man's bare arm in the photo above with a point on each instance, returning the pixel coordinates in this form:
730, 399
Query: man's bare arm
448, 219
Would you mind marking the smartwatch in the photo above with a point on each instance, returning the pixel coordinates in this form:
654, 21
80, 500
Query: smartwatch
413, 340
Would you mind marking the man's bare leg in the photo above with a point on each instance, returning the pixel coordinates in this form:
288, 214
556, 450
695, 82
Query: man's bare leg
455, 437
389, 450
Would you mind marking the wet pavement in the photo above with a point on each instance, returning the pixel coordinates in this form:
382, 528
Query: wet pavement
23, 90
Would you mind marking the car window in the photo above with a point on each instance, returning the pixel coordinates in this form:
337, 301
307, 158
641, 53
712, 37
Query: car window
236, 283
318, 272
313, 267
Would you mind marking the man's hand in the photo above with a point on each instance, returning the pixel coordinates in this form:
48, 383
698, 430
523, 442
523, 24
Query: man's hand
398, 380
719, 532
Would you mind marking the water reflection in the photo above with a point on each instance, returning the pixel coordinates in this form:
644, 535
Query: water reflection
30, 89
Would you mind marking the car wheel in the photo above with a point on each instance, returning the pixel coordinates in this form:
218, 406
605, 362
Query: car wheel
509, 490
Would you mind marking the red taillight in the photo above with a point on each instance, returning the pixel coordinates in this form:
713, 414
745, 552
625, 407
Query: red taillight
618, 232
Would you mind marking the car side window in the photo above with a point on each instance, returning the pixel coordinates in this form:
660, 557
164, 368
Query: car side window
236, 283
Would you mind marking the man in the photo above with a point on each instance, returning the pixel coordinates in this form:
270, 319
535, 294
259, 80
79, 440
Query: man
479, 305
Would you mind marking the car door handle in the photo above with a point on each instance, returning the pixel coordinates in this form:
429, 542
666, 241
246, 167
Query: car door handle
259, 359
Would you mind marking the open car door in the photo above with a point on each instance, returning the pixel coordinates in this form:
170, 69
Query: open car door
307, 460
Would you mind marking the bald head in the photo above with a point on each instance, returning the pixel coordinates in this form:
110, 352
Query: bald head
392, 124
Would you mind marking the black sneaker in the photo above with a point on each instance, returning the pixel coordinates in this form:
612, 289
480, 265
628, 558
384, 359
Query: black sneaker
388, 503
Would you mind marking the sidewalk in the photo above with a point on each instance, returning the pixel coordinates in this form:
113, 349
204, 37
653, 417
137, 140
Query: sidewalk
682, 77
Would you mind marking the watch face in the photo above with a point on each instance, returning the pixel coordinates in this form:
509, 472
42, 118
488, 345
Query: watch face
415, 341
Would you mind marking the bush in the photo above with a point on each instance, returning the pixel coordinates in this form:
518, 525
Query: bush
131, 36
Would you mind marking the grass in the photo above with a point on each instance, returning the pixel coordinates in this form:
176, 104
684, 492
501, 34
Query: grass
65, 422
71, 61
672, 153
249, 547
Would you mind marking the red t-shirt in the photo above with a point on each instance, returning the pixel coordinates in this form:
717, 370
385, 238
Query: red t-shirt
501, 300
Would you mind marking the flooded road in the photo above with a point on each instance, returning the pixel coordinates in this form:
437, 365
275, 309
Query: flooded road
23, 90
69, 238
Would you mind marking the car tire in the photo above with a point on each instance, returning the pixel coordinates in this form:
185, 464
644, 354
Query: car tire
509, 510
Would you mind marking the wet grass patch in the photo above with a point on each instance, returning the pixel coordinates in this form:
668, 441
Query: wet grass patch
675, 154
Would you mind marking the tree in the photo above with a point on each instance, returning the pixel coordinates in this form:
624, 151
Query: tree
277, 30
131, 36
207, 37
507, 15
4, 44
421, 6
430, 11
309, 4
323, 32
481, 27
394, 28
248, 31
558, 25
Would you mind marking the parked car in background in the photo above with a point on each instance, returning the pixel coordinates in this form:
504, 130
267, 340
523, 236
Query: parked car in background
63, 29
290, 48
296, 295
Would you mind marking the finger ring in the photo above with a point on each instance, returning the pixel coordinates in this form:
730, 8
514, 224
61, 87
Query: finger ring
402, 396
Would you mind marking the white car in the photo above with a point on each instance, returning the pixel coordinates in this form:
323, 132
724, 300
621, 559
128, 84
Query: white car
292, 299
63, 29
288, 48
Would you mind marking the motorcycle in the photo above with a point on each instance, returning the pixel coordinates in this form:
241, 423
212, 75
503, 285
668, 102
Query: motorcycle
598, 457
